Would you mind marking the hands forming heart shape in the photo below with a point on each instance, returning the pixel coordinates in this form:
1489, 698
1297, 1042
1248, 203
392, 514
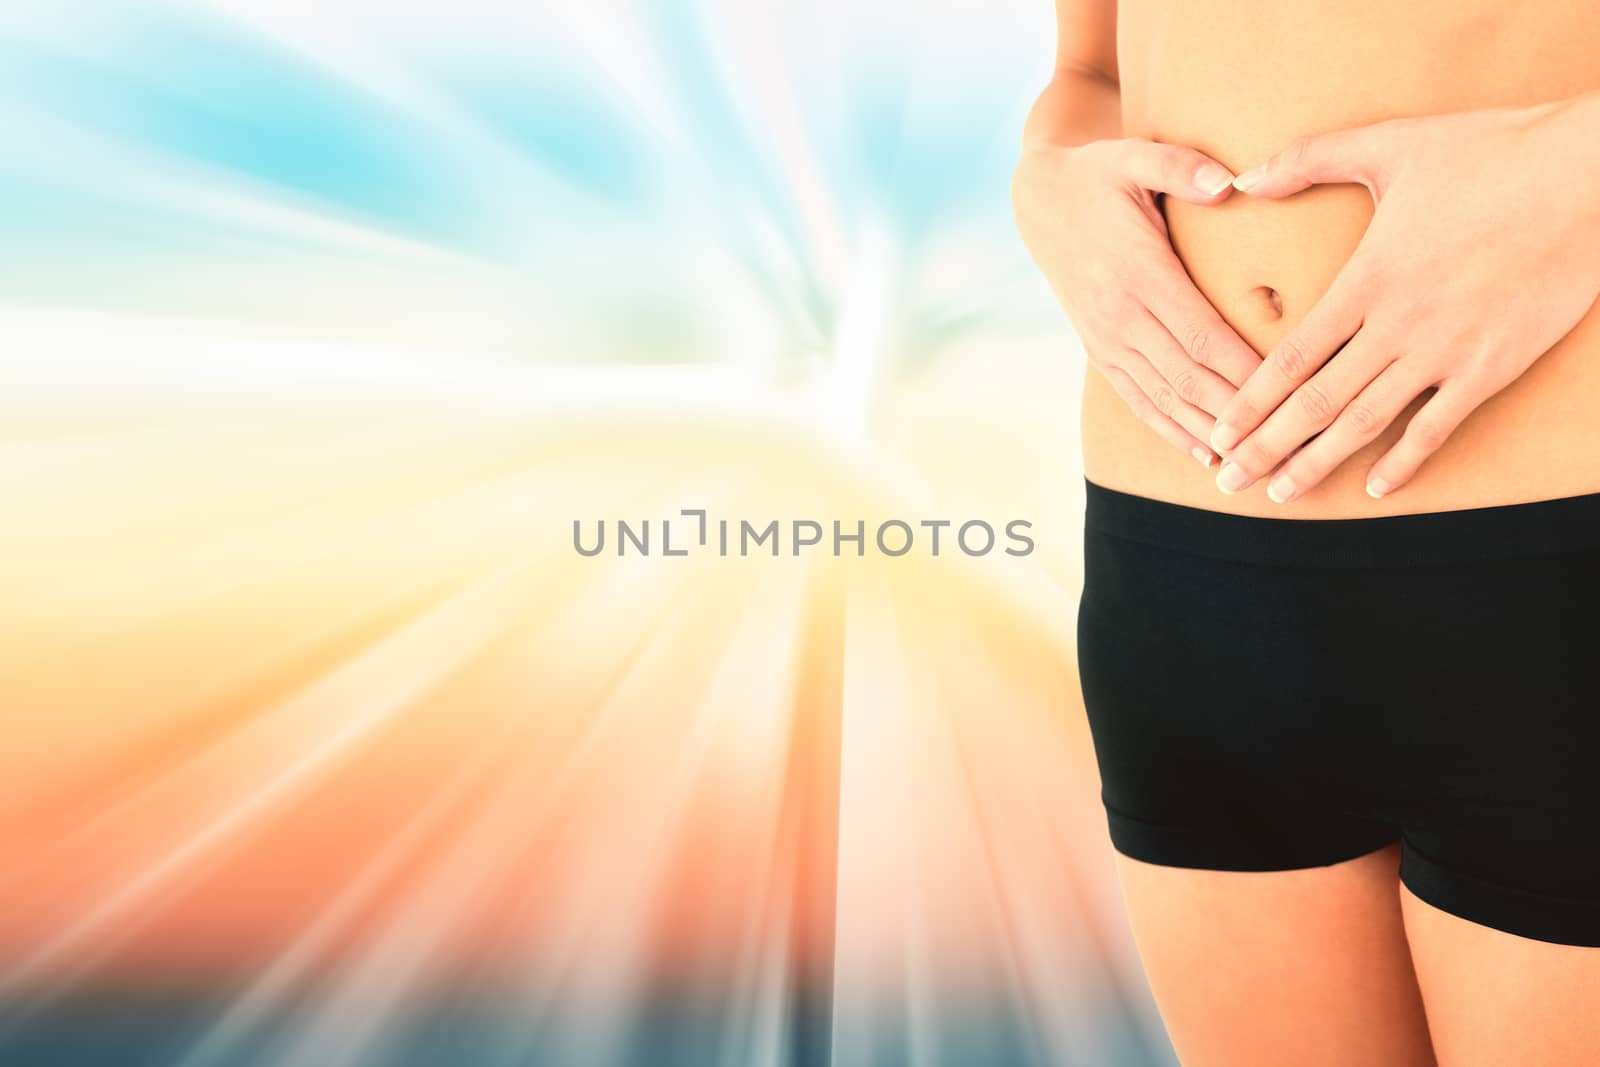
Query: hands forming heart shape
1480, 256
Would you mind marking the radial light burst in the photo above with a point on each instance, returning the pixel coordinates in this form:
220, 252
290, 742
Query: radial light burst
325, 328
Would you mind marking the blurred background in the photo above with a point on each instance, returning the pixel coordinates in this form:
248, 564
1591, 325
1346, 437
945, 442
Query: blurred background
321, 325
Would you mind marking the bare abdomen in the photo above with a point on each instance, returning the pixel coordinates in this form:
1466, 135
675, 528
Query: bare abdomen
1241, 87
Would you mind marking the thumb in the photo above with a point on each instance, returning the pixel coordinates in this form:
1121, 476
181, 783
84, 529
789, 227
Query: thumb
1355, 156
1176, 170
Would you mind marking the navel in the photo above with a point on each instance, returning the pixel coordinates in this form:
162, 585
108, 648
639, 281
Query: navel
1271, 302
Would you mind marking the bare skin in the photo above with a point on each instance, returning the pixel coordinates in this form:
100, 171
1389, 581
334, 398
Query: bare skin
1244, 82
1496, 1000
1326, 965
1308, 967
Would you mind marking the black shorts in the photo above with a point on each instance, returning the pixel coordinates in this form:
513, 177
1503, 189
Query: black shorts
1275, 693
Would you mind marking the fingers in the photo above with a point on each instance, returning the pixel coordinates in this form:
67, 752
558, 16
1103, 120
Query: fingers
1366, 416
1428, 429
1164, 425
1165, 397
1307, 411
1330, 323
1191, 320
1194, 384
1176, 170
1358, 155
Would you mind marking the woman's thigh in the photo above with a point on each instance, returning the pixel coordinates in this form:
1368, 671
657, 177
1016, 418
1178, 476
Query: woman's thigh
1498, 1000
1307, 967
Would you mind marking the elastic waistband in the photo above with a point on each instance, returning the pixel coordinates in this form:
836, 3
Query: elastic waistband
1501, 531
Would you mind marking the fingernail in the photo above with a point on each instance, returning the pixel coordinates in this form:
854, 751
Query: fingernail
1224, 436
1203, 456
1377, 487
1250, 178
1281, 490
1231, 478
1212, 178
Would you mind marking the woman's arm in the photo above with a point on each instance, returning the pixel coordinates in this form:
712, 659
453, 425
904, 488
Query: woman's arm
1083, 101
1482, 253
1085, 203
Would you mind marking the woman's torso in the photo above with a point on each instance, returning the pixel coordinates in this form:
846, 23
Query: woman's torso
1240, 81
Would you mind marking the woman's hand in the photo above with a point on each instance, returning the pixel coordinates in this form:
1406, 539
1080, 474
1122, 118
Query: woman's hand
1089, 217
1483, 252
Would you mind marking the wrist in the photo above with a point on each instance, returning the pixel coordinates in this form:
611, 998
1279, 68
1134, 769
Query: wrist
1573, 124
1581, 114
